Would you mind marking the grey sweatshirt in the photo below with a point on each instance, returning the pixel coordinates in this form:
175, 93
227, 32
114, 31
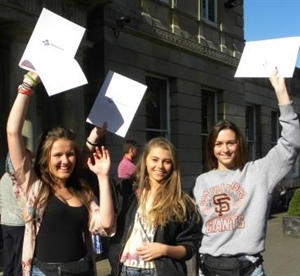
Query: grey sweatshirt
11, 213
234, 204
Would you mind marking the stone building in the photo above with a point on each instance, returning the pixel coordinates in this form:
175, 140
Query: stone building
185, 51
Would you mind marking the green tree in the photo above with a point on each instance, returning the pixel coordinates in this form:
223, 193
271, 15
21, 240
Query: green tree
294, 206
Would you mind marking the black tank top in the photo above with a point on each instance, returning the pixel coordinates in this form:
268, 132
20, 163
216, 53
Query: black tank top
61, 235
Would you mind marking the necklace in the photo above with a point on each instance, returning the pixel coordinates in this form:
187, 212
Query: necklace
64, 194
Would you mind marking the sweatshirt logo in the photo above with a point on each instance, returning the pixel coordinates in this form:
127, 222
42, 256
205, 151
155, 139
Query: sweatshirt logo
220, 206
221, 202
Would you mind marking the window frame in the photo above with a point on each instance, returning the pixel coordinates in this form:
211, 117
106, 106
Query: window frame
275, 127
251, 143
204, 134
205, 13
296, 168
164, 108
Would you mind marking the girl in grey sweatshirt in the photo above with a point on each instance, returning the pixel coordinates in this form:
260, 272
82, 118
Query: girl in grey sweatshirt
234, 196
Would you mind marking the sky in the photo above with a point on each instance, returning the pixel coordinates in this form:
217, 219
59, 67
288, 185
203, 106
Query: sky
268, 19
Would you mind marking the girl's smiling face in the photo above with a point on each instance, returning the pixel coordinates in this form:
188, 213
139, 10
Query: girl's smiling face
62, 159
159, 164
225, 149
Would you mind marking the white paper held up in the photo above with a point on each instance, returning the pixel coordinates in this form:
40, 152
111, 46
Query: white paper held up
50, 52
117, 103
259, 58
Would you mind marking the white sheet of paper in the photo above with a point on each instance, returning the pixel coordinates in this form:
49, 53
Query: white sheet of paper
117, 103
50, 52
259, 58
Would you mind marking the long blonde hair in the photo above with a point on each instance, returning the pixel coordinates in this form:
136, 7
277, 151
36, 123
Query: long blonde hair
170, 202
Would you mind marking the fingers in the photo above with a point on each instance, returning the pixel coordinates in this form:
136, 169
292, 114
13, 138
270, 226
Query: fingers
275, 72
148, 251
104, 126
98, 132
101, 153
33, 77
89, 163
275, 79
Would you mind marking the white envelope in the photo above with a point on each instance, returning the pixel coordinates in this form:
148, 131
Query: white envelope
50, 52
259, 58
117, 103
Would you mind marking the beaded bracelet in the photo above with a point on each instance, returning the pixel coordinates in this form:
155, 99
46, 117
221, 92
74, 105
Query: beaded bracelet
91, 144
25, 89
25, 85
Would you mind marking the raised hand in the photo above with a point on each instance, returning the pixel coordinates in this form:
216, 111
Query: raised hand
279, 86
100, 163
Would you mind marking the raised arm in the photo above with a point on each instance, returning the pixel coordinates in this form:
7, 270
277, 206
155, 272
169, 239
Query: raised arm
100, 165
279, 86
16, 146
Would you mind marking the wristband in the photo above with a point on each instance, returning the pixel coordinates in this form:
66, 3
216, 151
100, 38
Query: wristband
34, 82
91, 144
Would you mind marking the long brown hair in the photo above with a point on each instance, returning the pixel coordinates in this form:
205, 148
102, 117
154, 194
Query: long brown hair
241, 153
170, 202
41, 166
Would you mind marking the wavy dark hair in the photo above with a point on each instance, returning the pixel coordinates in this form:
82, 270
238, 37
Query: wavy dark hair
241, 153
41, 166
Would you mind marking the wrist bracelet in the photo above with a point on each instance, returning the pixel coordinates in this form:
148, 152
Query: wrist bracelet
22, 89
91, 144
25, 85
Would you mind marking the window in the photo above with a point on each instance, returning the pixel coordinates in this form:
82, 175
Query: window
157, 107
209, 116
251, 131
275, 127
209, 10
296, 168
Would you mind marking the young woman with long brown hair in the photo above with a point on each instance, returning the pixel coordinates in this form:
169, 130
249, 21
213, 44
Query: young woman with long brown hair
60, 211
234, 196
